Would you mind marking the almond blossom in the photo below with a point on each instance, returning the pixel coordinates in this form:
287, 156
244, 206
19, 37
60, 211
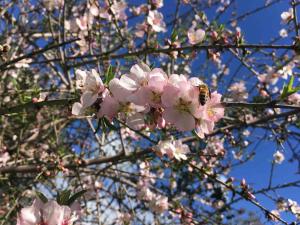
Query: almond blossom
50, 213
287, 15
159, 204
286, 71
157, 3
195, 36
213, 109
180, 102
173, 149
91, 85
294, 99
283, 33
156, 20
278, 157
238, 91
4, 158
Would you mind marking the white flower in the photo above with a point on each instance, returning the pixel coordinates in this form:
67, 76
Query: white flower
91, 85
173, 149
195, 36
283, 33
287, 15
278, 157
286, 71
156, 20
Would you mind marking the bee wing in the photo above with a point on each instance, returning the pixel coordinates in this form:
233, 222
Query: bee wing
195, 81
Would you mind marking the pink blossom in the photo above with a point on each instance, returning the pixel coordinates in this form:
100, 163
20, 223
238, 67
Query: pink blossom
173, 149
131, 113
195, 36
144, 193
238, 91
124, 218
118, 8
159, 204
268, 78
141, 28
294, 98
204, 127
152, 89
49, 213
156, 20
4, 158
84, 22
180, 102
94, 9
213, 110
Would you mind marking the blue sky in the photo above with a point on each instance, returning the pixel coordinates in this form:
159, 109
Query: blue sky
260, 28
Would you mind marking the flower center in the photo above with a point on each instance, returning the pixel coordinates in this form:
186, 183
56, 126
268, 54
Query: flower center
182, 105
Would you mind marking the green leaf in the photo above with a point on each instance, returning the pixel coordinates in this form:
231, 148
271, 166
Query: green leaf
288, 90
74, 197
174, 35
41, 196
109, 74
290, 85
63, 197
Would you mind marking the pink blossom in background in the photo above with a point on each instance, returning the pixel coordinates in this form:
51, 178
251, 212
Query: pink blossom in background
156, 20
294, 99
204, 127
173, 149
125, 218
141, 28
84, 22
94, 9
159, 204
195, 36
238, 91
118, 8
49, 213
4, 158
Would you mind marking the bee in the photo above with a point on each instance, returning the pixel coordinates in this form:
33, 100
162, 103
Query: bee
204, 93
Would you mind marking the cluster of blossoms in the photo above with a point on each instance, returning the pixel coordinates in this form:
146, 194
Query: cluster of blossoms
157, 203
149, 98
50, 213
284, 205
286, 17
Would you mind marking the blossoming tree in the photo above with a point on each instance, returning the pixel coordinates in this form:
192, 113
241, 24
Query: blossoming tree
141, 112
